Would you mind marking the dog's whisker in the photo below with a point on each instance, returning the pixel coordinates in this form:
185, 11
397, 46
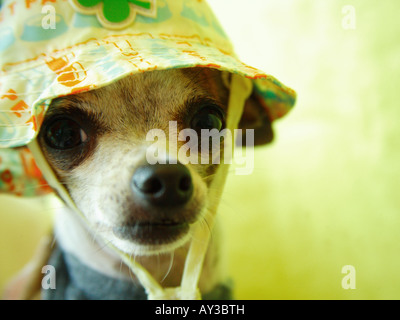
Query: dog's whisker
95, 234
131, 274
171, 262
121, 264
203, 223
208, 176
104, 245
209, 214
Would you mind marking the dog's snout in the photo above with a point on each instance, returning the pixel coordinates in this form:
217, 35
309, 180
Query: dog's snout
167, 185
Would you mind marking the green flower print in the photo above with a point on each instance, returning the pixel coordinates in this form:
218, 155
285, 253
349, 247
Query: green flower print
116, 11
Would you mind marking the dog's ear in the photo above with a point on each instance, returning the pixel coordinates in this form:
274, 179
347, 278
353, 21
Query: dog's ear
255, 117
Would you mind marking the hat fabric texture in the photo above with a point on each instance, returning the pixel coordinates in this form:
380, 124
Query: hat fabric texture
55, 48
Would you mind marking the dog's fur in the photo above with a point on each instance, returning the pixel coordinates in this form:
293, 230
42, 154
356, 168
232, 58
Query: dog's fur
97, 174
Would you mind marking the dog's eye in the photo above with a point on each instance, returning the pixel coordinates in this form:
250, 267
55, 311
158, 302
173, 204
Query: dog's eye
209, 117
64, 134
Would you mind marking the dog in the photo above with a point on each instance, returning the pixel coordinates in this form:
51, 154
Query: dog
83, 105
96, 144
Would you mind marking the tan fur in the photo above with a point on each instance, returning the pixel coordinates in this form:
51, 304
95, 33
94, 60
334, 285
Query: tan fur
117, 118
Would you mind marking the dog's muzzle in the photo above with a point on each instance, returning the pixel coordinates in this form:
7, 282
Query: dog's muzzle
162, 195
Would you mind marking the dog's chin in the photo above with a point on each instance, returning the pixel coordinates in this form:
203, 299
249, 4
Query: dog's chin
150, 240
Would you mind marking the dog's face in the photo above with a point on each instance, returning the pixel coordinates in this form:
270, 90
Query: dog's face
96, 144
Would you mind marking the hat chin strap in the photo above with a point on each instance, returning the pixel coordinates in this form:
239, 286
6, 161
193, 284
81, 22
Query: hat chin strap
240, 90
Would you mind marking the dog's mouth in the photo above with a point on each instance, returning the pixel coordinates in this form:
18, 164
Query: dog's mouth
162, 224
150, 233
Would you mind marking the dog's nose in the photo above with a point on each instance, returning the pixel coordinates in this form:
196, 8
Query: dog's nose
167, 185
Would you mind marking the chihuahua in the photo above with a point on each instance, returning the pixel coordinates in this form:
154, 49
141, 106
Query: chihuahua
96, 144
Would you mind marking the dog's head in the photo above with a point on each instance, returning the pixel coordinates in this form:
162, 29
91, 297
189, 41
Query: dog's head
96, 144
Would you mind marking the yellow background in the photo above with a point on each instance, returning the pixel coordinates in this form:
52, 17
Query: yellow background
325, 194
